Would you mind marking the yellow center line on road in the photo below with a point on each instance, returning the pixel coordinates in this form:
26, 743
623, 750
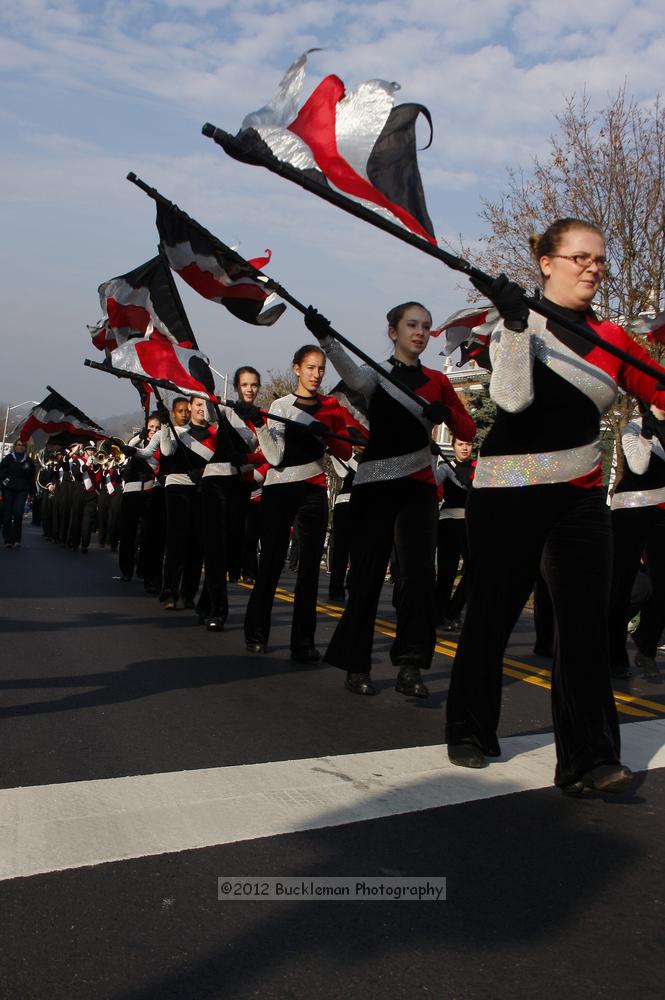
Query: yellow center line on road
537, 676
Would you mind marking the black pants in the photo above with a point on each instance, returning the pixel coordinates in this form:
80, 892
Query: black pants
152, 538
132, 510
104, 506
222, 498
250, 557
183, 557
637, 531
237, 505
62, 511
47, 504
281, 506
403, 511
511, 532
340, 548
82, 515
13, 505
450, 548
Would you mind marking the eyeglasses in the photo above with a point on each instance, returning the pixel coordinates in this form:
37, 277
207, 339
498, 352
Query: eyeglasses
583, 260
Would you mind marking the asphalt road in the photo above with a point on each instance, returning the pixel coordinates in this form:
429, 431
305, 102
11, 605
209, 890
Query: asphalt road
107, 700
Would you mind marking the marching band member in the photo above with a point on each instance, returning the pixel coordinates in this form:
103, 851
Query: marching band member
536, 500
295, 487
393, 500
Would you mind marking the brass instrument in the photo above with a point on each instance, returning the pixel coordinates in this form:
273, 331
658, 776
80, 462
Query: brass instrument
108, 452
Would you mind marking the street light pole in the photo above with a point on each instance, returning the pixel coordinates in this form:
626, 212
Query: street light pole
33, 402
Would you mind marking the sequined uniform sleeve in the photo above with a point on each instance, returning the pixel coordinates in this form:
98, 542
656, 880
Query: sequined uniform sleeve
167, 443
512, 355
636, 448
360, 378
271, 436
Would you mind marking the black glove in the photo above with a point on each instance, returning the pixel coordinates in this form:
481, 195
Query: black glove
162, 414
127, 450
507, 296
318, 428
247, 411
436, 413
317, 324
652, 425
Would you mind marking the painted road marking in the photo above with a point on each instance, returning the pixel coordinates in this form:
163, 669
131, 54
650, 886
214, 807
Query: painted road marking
48, 828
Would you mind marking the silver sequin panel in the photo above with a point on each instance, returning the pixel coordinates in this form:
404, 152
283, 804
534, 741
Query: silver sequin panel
395, 467
294, 473
536, 469
596, 384
638, 498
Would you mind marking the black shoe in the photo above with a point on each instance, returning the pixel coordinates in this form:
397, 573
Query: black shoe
543, 649
309, 654
337, 598
410, 683
614, 778
647, 665
232, 579
215, 624
248, 579
126, 579
151, 589
359, 683
171, 604
466, 755
256, 647
188, 605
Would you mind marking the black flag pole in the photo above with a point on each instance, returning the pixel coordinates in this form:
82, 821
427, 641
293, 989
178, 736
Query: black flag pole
163, 383
279, 290
234, 148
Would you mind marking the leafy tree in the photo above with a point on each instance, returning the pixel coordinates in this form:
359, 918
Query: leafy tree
608, 168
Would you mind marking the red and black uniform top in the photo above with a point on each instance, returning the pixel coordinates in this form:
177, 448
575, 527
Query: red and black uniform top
295, 452
552, 387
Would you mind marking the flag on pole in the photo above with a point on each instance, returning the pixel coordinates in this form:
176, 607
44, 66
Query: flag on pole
155, 356
653, 328
56, 415
357, 143
140, 302
214, 270
469, 330
354, 405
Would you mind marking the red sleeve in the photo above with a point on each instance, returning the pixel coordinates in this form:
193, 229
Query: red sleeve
335, 419
460, 423
633, 381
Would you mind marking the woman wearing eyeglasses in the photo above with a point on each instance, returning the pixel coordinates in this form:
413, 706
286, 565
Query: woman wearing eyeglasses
536, 501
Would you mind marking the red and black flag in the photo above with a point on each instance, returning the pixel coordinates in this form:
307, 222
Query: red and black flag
214, 270
469, 330
653, 327
56, 415
354, 405
139, 303
157, 357
357, 143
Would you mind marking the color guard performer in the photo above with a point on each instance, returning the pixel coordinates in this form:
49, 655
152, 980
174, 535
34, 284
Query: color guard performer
638, 525
295, 487
393, 500
537, 500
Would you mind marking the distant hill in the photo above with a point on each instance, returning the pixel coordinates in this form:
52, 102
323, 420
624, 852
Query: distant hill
123, 426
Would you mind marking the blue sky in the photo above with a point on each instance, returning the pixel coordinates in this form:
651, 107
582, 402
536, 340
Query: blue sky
91, 90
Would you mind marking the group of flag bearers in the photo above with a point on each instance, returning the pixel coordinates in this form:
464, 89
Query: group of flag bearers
534, 504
